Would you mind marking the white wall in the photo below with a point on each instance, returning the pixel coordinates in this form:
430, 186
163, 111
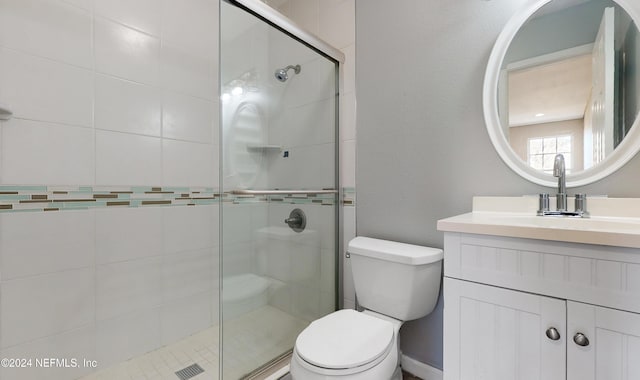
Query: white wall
106, 95
423, 149
123, 94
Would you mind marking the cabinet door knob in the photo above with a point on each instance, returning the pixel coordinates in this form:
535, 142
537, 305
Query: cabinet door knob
581, 340
552, 333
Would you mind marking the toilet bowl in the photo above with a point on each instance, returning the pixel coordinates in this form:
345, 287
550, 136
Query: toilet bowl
394, 282
364, 346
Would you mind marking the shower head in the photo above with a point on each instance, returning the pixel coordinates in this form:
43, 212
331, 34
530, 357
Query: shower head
282, 74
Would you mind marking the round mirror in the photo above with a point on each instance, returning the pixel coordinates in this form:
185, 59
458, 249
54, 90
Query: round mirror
564, 78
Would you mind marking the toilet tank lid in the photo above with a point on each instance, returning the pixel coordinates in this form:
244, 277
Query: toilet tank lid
393, 251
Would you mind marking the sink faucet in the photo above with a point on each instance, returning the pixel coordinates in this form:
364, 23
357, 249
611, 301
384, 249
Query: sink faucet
559, 171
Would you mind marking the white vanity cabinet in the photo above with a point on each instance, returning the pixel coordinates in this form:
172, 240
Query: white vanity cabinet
514, 309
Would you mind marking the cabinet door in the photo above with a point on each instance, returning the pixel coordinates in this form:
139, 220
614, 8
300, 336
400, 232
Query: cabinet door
613, 349
492, 333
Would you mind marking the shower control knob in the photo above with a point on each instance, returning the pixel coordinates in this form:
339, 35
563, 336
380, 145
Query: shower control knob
294, 220
581, 340
297, 220
552, 333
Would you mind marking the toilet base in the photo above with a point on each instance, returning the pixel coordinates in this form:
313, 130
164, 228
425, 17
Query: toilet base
387, 369
397, 375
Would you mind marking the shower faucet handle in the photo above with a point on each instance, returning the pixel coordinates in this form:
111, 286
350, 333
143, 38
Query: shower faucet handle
293, 220
297, 220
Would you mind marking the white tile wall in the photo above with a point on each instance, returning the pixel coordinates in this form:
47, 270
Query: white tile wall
348, 163
124, 234
188, 228
41, 89
126, 159
144, 15
201, 35
139, 295
109, 66
189, 72
349, 68
302, 265
34, 152
84, 4
348, 117
187, 163
126, 53
124, 287
185, 316
48, 28
305, 303
35, 307
78, 343
185, 274
309, 124
124, 337
313, 164
328, 272
188, 118
40, 243
126, 106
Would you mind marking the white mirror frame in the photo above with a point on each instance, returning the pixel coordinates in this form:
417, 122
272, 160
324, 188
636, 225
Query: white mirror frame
620, 156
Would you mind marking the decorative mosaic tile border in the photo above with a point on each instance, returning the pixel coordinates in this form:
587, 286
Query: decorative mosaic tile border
60, 198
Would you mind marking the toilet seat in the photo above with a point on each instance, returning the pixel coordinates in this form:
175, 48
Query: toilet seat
345, 341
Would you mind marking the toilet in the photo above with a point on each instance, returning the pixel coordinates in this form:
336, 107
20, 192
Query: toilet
394, 283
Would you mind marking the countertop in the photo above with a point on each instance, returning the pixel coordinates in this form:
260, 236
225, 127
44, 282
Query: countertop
613, 221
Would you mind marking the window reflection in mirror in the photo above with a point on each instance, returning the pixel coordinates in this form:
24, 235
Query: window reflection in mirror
569, 84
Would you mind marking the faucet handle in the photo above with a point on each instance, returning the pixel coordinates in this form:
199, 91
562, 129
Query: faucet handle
543, 203
581, 203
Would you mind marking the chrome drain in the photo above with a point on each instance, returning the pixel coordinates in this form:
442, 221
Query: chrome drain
189, 372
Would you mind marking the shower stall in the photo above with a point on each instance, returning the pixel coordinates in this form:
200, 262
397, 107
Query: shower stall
279, 177
169, 193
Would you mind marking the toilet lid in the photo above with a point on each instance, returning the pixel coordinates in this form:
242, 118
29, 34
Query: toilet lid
344, 339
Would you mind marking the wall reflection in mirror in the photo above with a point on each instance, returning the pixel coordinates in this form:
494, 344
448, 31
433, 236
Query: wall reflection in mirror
569, 84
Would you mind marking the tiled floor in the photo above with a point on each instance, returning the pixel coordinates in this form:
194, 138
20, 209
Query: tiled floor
161, 364
255, 337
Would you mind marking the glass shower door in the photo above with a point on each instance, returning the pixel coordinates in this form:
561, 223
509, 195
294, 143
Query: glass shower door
278, 162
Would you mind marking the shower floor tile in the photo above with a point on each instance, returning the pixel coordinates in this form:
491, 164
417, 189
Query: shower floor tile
255, 337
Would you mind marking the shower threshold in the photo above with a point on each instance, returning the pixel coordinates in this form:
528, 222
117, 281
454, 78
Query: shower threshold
276, 369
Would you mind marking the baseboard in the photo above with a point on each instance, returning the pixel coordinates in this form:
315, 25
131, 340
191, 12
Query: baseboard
423, 371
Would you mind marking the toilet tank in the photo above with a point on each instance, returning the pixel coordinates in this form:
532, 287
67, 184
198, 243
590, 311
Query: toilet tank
395, 279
